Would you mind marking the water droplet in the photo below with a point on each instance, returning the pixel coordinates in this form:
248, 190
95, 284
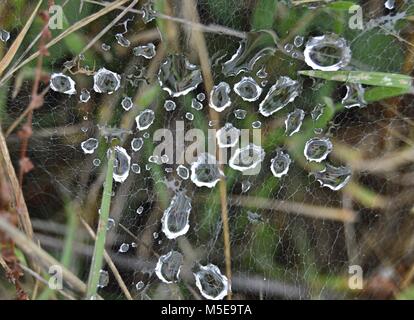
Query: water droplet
317, 112
62, 83
284, 91
298, 41
189, 116
201, 96
139, 285
105, 47
106, 81
280, 164
136, 168
84, 96
175, 218
89, 146
140, 210
183, 172
327, 53
96, 162
123, 248
178, 76
127, 103
288, 47
251, 49
4, 35
147, 51
240, 113
122, 41
294, 121
195, 104
164, 158
256, 124
205, 171
111, 224
146, 135
122, 164
136, 144
389, 4
211, 283
148, 12
317, 149
168, 267
318, 130
220, 97
335, 178
246, 185
155, 235
254, 217
145, 119
103, 279
248, 89
247, 158
169, 105
227, 136
354, 96
261, 73
154, 159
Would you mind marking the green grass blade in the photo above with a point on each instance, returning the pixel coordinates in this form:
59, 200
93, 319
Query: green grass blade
98, 252
382, 79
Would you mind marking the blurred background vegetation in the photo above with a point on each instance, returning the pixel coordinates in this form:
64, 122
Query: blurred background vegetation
306, 238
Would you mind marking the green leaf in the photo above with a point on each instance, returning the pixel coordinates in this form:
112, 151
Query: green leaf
380, 93
382, 79
264, 13
341, 5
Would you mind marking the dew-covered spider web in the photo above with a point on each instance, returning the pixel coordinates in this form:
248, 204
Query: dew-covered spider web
327, 187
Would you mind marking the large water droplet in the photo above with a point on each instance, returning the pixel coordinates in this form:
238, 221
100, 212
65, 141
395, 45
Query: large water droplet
62, 83
127, 103
168, 267
148, 12
205, 171
147, 51
145, 119
228, 136
169, 105
240, 113
4, 35
106, 81
247, 158
122, 164
294, 121
211, 283
103, 279
280, 164
89, 146
178, 76
317, 149
327, 53
175, 219
285, 90
220, 97
335, 178
317, 112
136, 144
183, 172
123, 248
354, 96
122, 41
255, 46
248, 89
84, 96
389, 4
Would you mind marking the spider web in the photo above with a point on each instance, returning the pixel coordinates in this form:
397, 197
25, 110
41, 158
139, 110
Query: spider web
302, 241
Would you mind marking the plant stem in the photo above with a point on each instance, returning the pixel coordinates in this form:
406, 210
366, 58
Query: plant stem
98, 253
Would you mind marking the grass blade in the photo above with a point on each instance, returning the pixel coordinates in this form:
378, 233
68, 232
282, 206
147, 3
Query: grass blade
99, 249
382, 79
